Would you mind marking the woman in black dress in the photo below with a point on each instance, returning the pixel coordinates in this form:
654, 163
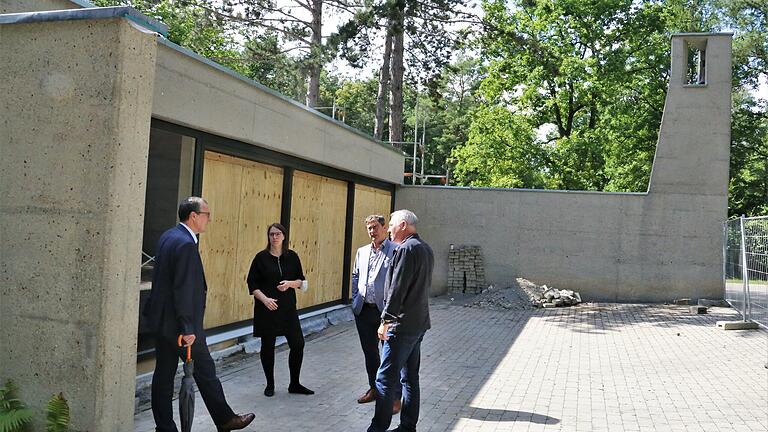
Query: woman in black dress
274, 275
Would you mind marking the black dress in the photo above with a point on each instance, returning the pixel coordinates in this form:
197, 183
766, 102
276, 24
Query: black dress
266, 272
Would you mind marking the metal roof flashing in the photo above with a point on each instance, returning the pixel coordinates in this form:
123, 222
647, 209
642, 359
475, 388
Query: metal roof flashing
126, 12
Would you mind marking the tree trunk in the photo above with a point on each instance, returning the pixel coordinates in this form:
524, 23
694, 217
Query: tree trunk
383, 93
316, 53
397, 69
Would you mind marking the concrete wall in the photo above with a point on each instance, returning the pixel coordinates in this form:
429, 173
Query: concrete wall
16, 6
193, 93
653, 246
74, 131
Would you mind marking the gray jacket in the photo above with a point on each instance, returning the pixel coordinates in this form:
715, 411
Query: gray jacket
407, 287
379, 273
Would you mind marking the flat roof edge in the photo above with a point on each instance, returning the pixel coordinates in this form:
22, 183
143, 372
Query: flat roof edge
262, 87
523, 190
701, 34
86, 14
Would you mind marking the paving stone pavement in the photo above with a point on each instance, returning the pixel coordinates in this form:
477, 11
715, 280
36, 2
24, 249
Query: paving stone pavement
595, 367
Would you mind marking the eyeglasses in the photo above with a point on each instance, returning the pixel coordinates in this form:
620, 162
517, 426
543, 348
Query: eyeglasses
205, 213
275, 234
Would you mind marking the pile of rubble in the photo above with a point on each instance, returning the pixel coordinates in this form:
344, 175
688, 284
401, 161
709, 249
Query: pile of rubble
523, 295
544, 296
511, 298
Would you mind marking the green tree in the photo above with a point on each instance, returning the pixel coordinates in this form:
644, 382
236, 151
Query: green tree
447, 109
265, 61
748, 188
357, 101
489, 158
192, 27
748, 191
591, 72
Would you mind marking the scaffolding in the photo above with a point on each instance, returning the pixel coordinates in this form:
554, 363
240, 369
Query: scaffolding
417, 157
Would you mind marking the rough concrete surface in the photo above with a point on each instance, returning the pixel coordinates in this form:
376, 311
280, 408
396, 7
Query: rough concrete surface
74, 121
191, 93
16, 6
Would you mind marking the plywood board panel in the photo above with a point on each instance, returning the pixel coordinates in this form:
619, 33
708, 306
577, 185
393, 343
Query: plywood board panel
245, 197
318, 209
368, 201
261, 199
331, 238
221, 188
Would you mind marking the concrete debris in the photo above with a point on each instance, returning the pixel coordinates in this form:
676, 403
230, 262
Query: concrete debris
524, 294
545, 296
697, 310
510, 298
715, 302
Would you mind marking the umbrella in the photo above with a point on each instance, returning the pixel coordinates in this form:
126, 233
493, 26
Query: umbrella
187, 393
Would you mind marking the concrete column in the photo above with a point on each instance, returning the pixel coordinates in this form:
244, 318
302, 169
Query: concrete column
75, 113
693, 151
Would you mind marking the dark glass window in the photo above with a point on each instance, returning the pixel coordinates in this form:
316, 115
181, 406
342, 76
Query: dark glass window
169, 180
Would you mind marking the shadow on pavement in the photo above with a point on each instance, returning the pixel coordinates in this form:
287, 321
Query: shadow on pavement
511, 416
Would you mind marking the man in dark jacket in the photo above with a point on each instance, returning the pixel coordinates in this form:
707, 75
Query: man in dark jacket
404, 322
368, 277
175, 308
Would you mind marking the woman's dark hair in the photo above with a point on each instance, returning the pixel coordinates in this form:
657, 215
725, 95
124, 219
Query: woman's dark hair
285, 237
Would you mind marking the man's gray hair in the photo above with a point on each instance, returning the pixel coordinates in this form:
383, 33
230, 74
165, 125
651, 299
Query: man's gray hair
404, 215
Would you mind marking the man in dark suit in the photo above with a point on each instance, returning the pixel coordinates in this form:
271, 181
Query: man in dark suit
404, 322
175, 308
368, 276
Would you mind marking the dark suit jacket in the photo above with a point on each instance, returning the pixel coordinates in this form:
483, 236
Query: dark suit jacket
406, 289
176, 303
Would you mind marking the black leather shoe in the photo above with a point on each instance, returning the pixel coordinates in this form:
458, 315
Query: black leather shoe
299, 389
237, 422
269, 391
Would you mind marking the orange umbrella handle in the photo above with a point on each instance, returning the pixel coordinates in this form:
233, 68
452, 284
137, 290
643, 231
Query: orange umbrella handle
189, 350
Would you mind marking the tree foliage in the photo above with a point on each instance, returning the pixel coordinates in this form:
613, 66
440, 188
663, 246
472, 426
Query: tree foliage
561, 94
575, 89
748, 191
192, 27
588, 76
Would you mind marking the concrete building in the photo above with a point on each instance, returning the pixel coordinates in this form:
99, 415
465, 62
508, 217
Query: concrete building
104, 125
100, 114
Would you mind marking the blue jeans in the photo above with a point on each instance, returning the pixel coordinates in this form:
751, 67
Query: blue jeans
400, 359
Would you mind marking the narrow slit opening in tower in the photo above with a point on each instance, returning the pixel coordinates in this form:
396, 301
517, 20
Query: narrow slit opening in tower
696, 64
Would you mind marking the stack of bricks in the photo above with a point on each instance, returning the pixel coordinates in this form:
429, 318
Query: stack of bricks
466, 271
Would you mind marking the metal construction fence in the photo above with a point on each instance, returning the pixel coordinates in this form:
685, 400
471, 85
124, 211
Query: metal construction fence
745, 261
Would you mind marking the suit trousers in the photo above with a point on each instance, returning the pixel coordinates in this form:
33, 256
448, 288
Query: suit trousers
367, 323
167, 354
400, 358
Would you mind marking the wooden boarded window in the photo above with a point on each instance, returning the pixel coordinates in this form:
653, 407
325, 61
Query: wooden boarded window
318, 213
368, 201
245, 197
